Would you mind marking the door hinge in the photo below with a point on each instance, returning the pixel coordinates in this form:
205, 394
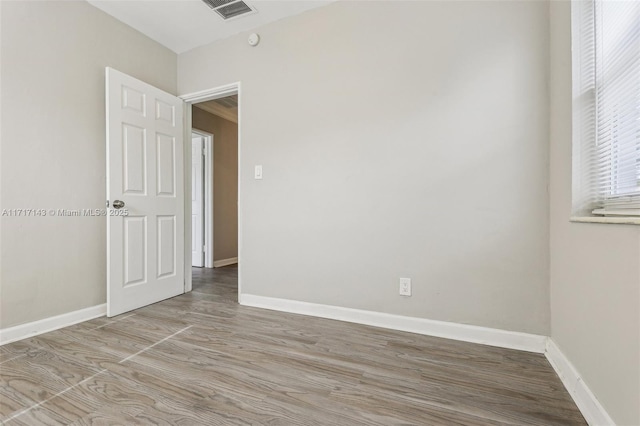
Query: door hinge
204, 249
204, 150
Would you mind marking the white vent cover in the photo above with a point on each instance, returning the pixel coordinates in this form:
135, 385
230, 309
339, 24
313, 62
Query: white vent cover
228, 9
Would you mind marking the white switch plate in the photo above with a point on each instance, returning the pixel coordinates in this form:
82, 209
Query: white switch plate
258, 172
405, 286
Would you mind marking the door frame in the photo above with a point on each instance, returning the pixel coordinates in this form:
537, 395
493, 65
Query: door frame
190, 99
207, 177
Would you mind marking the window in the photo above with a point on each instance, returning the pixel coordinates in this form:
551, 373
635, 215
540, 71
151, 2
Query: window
606, 101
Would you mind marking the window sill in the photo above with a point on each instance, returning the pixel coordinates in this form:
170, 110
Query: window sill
625, 220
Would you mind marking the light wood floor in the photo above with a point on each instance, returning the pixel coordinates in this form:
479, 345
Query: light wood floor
201, 359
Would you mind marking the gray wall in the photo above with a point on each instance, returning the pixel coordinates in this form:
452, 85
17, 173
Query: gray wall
53, 148
225, 180
595, 268
397, 139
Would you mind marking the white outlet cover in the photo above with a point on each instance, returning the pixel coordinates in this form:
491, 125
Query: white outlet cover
405, 287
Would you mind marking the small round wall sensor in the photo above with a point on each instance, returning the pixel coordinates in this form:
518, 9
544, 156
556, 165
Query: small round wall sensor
254, 39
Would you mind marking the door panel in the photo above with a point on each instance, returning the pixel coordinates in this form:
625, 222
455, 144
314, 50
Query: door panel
166, 149
145, 249
166, 246
165, 113
135, 242
134, 160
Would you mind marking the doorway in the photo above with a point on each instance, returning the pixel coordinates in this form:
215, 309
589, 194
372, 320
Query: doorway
213, 115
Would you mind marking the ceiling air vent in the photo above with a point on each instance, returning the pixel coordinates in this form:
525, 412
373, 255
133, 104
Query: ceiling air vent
228, 9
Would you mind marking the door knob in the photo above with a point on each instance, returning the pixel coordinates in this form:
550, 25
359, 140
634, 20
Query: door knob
117, 204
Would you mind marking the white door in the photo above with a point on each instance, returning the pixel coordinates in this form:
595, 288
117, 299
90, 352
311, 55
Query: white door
145, 248
197, 201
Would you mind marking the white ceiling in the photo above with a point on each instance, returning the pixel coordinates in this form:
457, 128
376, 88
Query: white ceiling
182, 25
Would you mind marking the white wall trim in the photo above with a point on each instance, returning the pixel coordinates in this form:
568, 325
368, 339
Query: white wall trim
630, 220
593, 412
22, 331
188, 254
225, 262
448, 330
211, 94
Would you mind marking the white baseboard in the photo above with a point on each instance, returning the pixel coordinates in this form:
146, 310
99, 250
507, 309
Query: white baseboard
448, 330
593, 412
225, 262
22, 331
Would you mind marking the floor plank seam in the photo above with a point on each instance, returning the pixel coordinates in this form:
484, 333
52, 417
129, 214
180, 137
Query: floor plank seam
155, 344
26, 410
14, 358
62, 392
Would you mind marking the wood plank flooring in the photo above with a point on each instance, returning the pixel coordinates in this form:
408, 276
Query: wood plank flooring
201, 359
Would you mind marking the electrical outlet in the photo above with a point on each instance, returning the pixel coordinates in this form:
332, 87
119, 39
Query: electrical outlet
405, 286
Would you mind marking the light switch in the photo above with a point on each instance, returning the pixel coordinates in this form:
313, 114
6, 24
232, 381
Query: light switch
258, 172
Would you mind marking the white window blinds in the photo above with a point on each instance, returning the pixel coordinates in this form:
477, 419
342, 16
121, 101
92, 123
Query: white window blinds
606, 36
